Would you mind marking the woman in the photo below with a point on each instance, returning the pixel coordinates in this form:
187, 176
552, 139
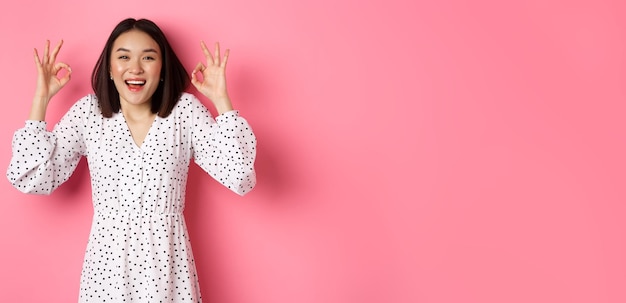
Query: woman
139, 132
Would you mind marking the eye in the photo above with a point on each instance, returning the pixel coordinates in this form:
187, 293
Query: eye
149, 58
123, 57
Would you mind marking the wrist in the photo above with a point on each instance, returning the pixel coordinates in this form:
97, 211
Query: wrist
222, 105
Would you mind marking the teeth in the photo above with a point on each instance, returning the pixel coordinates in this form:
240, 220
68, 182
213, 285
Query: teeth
136, 82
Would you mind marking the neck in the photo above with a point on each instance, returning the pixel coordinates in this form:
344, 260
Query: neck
137, 112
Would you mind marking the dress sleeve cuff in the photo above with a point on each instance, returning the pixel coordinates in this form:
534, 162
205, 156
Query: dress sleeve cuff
35, 124
227, 116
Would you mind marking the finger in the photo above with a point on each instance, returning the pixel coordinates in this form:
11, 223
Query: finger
46, 52
194, 78
36, 57
207, 53
194, 81
60, 65
217, 53
198, 69
53, 57
68, 75
226, 53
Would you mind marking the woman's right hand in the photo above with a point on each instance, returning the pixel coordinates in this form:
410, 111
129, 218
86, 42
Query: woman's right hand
48, 82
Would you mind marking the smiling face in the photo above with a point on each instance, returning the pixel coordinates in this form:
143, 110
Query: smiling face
136, 62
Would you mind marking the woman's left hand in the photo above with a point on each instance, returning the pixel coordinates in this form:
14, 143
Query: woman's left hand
213, 82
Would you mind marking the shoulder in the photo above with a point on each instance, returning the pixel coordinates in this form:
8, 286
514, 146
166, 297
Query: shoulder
188, 102
88, 103
187, 99
86, 106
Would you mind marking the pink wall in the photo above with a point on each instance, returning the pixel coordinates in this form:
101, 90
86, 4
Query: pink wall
409, 151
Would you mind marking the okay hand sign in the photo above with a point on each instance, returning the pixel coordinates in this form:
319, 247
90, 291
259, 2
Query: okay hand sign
213, 82
48, 81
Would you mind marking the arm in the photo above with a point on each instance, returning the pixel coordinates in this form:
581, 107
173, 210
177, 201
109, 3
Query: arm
224, 147
43, 160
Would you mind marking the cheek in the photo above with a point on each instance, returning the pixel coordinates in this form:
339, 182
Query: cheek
116, 69
119, 84
156, 70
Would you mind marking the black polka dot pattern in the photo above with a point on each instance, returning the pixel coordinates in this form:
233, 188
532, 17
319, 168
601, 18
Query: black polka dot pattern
138, 249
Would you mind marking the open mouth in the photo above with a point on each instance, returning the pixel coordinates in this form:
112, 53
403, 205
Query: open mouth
135, 83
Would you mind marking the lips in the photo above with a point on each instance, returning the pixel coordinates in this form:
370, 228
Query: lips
135, 85
135, 82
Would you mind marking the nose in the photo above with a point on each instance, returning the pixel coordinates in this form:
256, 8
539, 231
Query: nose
135, 67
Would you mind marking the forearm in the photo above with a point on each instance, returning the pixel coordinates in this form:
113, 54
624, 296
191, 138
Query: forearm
38, 109
228, 154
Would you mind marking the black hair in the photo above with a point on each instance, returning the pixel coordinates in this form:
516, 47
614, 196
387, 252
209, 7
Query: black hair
173, 73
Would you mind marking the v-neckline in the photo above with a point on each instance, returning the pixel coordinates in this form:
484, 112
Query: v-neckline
130, 133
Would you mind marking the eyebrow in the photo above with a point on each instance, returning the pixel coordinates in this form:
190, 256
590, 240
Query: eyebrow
148, 50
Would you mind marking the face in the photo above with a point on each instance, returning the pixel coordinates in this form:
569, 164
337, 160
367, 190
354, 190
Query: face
136, 63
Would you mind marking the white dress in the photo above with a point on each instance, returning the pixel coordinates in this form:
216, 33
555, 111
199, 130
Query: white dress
138, 249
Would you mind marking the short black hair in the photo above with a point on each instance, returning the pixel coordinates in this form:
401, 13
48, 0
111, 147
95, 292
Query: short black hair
173, 73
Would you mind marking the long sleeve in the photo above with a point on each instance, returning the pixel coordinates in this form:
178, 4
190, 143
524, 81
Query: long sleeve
42, 160
224, 147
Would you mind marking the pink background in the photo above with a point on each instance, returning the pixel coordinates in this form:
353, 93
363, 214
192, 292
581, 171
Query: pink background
409, 151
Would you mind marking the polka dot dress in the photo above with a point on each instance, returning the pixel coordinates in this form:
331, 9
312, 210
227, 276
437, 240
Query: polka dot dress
138, 249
